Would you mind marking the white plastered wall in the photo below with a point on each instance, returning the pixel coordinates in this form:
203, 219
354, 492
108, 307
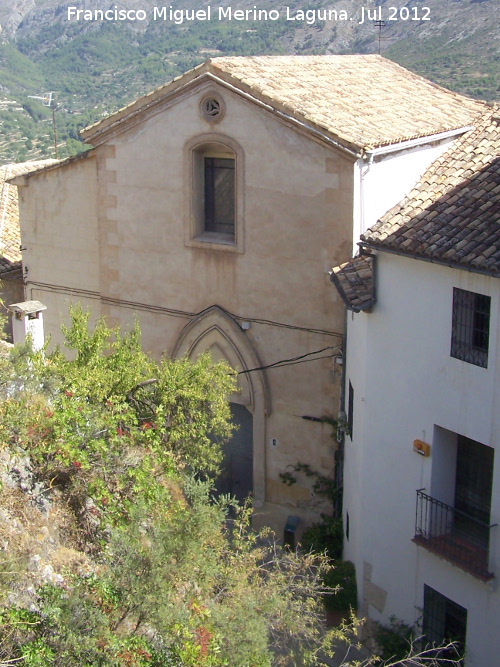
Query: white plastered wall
406, 384
382, 181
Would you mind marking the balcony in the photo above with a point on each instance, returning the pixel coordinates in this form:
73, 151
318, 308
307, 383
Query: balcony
454, 535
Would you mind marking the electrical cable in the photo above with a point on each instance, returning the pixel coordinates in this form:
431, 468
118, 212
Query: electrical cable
174, 312
293, 360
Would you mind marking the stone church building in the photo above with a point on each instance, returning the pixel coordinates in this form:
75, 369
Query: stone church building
213, 209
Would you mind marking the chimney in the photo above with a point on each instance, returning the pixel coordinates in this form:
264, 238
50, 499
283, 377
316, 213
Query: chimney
27, 320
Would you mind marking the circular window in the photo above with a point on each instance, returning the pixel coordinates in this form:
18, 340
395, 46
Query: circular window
212, 108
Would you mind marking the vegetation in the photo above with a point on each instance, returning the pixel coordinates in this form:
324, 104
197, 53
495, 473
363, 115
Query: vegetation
342, 578
121, 453
96, 69
326, 537
96, 72
114, 550
394, 640
456, 66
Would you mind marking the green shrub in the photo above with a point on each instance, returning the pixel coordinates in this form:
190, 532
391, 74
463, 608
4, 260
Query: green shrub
117, 443
395, 640
343, 576
326, 535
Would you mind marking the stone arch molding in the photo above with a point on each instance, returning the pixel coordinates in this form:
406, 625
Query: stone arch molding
214, 330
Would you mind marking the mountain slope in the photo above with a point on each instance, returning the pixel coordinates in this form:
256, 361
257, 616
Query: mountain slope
95, 67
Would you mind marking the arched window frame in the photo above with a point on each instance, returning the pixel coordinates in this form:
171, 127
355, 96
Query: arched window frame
198, 233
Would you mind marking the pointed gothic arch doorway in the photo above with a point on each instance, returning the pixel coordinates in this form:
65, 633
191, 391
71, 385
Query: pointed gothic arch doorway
245, 454
237, 466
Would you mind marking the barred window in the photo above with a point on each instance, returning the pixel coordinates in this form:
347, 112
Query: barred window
219, 195
444, 621
215, 192
470, 327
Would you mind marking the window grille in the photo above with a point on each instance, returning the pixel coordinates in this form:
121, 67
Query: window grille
470, 327
444, 621
219, 195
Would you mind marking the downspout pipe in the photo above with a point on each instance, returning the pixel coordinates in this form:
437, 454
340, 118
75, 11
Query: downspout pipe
339, 462
364, 169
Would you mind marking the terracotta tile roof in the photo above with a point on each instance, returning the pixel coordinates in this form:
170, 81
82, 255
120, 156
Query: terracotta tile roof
27, 169
362, 101
452, 215
10, 235
354, 282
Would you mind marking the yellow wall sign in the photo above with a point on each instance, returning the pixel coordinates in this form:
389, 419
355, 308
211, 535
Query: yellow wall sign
421, 448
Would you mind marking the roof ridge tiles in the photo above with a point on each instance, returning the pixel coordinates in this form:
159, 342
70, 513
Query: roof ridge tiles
365, 101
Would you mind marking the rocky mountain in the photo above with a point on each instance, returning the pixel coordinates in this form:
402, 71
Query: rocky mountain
95, 66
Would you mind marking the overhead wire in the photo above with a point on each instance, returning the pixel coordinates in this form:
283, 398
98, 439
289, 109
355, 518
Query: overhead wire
292, 361
300, 359
175, 312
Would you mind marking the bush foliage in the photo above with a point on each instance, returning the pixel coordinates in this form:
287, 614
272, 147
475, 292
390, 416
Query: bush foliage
129, 448
114, 550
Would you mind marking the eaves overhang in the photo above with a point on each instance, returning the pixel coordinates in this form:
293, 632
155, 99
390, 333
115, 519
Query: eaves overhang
22, 179
387, 149
355, 282
494, 272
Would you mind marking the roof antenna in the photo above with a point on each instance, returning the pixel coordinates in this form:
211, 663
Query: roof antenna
379, 25
48, 101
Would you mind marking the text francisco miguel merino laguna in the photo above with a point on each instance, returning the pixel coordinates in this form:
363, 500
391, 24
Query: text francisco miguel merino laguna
209, 13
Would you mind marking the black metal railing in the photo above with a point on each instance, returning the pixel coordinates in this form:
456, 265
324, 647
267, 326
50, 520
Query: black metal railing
456, 536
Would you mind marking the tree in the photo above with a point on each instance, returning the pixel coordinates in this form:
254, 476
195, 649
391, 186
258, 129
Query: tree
3, 317
122, 451
129, 448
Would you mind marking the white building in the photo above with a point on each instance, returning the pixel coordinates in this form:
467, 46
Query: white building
422, 375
